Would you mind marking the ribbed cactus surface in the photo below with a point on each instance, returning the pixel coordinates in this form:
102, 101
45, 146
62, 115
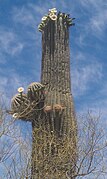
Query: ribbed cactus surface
58, 123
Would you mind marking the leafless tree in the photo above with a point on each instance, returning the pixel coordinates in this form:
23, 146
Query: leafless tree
15, 151
92, 146
52, 155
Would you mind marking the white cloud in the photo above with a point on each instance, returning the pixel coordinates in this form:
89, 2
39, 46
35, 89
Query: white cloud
96, 4
23, 16
28, 19
84, 75
9, 43
98, 22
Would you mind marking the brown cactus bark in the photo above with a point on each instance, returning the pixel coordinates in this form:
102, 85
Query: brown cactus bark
54, 136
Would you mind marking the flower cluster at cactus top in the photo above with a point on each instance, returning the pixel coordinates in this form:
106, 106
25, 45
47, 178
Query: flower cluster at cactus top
52, 15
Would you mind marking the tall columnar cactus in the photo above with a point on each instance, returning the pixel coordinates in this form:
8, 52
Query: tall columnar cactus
56, 66
58, 113
49, 104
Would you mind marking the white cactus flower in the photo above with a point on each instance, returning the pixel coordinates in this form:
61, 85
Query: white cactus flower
44, 18
20, 89
53, 17
53, 10
15, 115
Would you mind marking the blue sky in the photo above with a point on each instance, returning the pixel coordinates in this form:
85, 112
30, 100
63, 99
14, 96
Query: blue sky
20, 49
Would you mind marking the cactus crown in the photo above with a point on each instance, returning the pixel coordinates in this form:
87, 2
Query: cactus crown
54, 16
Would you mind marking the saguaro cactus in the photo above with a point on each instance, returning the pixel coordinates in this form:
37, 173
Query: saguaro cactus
49, 105
56, 65
58, 105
